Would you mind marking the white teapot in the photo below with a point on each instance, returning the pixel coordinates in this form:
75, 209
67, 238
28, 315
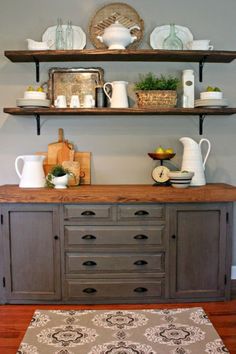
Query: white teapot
117, 36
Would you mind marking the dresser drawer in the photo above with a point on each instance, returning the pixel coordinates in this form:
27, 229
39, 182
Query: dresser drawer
113, 235
117, 262
110, 290
88, 212
140, 212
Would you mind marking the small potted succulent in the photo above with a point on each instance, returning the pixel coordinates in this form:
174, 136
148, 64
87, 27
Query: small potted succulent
153, 91
58, 177
211, 93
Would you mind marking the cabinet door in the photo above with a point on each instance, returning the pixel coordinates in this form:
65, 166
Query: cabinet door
199, 251
31, 252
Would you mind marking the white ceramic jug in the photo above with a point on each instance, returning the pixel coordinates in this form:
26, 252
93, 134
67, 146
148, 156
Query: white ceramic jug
118, 98
32, 175
192, 159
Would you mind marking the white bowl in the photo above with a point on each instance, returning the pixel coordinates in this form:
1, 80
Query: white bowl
211, 95
180, 179
34, 95
181, 175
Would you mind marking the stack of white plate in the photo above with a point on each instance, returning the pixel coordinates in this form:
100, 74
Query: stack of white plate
30, 102
180, 179
211, 103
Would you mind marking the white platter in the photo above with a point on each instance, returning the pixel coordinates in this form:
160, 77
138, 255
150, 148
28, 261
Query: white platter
26, 102
211, 103
79, 37
160, 33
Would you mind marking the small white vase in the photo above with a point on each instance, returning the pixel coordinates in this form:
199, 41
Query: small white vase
60, 182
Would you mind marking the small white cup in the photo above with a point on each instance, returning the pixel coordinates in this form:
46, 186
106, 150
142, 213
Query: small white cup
60, 101
200, 44
89, 101
74, 101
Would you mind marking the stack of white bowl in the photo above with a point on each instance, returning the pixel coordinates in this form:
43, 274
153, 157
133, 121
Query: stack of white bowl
180, 179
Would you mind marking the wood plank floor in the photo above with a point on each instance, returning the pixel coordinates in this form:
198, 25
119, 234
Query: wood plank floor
14, 320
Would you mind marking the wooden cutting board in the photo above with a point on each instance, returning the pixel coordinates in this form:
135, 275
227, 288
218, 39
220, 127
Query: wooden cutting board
84, 159
59, 147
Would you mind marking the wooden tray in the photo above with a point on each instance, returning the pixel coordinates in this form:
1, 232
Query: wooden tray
107, 15
84, 159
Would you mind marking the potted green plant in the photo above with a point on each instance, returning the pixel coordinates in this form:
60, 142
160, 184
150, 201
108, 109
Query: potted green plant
153, 91
211, 93
58, 177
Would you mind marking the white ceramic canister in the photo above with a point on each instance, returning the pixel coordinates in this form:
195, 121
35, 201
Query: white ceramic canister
188, 88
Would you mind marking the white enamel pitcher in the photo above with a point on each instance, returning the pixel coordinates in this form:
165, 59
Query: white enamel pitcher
32, 175
118, 97
193, 161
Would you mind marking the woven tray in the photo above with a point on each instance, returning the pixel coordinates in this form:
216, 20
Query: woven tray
107, 15
156, 98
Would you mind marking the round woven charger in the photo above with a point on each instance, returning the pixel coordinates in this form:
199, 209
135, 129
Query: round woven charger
107, 15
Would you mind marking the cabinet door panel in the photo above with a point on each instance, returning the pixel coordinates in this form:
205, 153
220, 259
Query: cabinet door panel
198, 248
32, 253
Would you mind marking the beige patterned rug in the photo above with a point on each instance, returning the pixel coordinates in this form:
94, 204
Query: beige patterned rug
176, 331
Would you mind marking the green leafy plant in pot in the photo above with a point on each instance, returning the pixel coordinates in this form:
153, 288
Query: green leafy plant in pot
58, 177
153, 91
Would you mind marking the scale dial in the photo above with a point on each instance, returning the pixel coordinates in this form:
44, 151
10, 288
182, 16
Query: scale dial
160, 174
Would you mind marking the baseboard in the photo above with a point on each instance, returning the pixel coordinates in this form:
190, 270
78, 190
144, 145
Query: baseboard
233, 289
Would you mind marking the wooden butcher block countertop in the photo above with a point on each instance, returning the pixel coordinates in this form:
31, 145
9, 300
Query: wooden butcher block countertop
215, 192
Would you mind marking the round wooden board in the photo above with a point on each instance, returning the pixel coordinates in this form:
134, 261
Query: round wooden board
108, 14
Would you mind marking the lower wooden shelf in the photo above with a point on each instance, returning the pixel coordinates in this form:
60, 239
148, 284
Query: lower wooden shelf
52, 111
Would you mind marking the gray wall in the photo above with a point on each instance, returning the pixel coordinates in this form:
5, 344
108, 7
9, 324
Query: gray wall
119, 145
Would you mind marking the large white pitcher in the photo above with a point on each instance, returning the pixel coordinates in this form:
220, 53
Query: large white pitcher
192, 159
32, 175
118, 97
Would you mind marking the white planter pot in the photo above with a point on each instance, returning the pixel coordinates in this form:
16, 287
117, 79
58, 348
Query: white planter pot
60, 182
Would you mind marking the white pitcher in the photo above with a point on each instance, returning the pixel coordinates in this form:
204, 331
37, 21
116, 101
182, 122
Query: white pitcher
32, 175
118, 97
192, 159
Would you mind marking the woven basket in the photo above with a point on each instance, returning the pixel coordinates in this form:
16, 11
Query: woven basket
156, 98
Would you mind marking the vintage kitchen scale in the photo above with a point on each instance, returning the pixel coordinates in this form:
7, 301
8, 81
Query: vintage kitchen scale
160, 173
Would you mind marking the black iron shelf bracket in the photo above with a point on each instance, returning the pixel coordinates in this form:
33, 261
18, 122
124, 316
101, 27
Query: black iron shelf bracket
37, 117
201, 65
202, 116
36, 61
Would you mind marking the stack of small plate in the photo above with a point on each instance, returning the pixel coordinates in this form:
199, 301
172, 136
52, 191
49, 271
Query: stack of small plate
180, 179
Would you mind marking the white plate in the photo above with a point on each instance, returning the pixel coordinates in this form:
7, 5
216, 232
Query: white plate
213, 103
26, 102
79, 38
160, 33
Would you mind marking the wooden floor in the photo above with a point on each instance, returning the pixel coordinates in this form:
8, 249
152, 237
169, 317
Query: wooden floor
14, 320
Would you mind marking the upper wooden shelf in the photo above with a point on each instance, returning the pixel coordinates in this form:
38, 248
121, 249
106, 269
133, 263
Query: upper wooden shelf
213, 56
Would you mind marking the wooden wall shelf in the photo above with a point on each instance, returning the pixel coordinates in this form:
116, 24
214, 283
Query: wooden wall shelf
213, 56
37, 112
143, 55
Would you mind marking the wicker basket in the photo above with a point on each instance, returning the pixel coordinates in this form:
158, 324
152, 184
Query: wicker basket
156, 98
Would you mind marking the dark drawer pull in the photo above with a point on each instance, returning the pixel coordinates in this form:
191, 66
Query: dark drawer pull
89, 290
140, 262
89, 237
141, 237
89, 263
141, 212
140, 290
88, 213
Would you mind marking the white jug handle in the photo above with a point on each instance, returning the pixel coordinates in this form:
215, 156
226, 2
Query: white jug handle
105, 89
208, 150
16, 165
